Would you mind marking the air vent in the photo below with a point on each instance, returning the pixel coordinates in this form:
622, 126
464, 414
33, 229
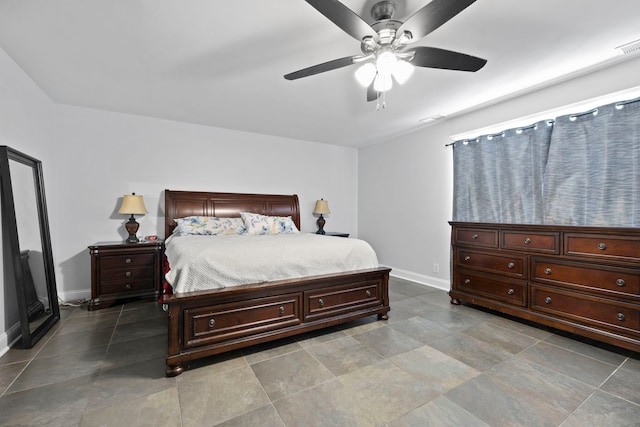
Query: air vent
628, 48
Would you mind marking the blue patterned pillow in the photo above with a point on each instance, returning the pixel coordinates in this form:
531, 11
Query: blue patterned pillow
209, 226
262, 224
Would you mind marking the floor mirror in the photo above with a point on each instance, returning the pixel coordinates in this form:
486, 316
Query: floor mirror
27, 254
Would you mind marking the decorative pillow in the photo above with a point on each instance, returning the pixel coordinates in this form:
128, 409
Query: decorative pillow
262, 224
209, 226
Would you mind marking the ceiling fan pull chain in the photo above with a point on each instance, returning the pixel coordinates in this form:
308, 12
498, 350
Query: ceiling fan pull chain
383, 104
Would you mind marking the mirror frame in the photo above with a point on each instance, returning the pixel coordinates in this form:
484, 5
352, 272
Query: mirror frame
12, 259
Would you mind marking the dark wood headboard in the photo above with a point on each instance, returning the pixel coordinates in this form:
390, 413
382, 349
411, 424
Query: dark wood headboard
180, 204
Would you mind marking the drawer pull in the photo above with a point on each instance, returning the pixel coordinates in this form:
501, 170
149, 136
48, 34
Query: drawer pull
620, 282
511, 292
527, 240
547, 300
321, 302
602, 246
368, 293
467, 281
511, 265
127, 286
127, 274
127, 261
547, 271
620, 316
475, 236
467, 258
212, 323
281, 310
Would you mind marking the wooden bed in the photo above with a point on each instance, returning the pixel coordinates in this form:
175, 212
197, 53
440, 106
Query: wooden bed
205, 323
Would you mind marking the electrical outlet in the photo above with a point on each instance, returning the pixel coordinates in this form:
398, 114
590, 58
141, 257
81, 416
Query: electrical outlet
436, 268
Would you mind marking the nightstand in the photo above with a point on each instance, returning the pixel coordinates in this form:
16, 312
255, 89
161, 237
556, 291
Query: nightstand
125, 270
336, 234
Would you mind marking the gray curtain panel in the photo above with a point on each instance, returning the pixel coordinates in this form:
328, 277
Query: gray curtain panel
593, 172
498, 178
583, 170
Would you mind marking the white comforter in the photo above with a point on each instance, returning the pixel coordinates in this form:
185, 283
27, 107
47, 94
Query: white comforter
209, 262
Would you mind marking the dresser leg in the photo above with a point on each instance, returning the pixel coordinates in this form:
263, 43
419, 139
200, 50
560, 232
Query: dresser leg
455, 301
174, 370
384, 316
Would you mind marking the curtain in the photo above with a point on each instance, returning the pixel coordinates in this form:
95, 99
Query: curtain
593, 173
498, 178
583, 170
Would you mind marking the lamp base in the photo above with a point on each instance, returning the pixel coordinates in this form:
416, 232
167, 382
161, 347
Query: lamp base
132, 228
320, 223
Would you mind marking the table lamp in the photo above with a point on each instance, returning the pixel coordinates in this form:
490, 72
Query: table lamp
322, 207
132, 205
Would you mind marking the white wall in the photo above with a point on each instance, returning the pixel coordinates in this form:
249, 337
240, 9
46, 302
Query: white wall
92, 158
405, 184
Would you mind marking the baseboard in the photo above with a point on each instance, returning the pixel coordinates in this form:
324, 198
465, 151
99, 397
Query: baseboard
8, 338
71, 296
422, 279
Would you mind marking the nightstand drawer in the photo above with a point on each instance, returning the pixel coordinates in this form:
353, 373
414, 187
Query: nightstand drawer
126, 286
126, 274
130, 260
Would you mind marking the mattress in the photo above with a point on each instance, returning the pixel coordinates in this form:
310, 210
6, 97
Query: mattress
200, 263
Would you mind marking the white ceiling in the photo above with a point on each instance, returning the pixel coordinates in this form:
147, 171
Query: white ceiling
221, 63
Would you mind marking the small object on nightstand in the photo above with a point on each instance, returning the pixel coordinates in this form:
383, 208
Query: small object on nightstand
336, 234
132, 204
125, 270
322, 207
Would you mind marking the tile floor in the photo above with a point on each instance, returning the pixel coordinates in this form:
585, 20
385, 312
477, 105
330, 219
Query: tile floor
430, 364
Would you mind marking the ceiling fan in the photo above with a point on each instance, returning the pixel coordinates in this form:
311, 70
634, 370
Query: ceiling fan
386, 55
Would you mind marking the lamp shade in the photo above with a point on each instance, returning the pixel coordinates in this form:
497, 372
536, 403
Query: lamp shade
132, 204
322, 207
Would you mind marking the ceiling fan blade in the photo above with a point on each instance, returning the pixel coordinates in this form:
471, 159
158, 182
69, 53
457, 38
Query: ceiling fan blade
320, 68
433, 57
372, 94
344, 18
432, 16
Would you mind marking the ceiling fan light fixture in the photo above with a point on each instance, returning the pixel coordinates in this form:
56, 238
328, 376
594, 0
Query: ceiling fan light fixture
402, 71
386, 62
365, 74
383, 82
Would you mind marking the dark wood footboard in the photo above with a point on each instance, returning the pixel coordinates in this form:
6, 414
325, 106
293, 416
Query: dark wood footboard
206, 323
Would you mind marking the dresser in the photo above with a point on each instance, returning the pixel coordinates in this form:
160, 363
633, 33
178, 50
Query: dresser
125, 270
584, 280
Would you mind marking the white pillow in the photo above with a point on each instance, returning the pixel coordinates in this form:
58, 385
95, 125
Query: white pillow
209, 226
262, 224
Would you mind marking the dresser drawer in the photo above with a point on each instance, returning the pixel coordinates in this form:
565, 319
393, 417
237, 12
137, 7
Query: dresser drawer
238, 319
477, 237
544, 242
126, 286
599, 312
124, 261
591, 277
335, 300
504, 263
512, 292
603, 246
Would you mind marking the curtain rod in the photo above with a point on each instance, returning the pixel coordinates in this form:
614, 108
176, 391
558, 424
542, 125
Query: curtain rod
594, 111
